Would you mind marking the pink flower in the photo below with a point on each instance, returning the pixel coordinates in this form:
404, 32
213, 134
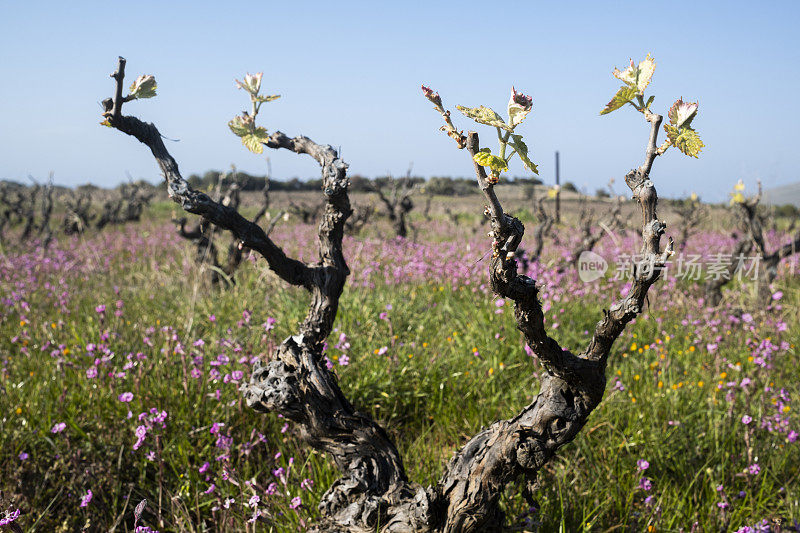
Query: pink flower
746, 419
86, 498
9, 517
58, 427
642, 465
100, 309
125, 397
296, 502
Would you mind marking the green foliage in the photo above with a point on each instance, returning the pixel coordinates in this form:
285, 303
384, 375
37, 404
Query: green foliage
679, 131
241, 125
484, 115
624, 95
143, 87
244, 125
519, 105
521, 148
684, 139
431, 391
638, 76
486, 159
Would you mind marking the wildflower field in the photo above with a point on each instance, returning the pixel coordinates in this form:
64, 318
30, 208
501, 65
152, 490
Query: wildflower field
120, 370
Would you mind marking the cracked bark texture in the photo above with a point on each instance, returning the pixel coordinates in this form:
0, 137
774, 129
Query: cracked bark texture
374, 492
573, 384
295, 382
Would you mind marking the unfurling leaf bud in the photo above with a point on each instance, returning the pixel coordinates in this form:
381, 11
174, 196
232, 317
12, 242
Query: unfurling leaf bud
143, 87
637, 76
432, 95
519, 105
251, 83
241, 125
682, 113
495, 164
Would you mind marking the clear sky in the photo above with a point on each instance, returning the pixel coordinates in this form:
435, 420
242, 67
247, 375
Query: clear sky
350, 73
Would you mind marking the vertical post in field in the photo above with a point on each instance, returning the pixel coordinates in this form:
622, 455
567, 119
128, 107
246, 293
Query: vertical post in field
558, 192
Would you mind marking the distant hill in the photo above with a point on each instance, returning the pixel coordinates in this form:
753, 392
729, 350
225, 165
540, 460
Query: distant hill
785, 194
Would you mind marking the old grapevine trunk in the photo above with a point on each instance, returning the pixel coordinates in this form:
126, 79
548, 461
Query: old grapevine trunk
374, 491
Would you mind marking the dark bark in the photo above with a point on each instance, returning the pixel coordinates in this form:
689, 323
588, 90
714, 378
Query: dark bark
713, 287
398, 203
77, 218
691, 212
573, 384
374, 492
361, 216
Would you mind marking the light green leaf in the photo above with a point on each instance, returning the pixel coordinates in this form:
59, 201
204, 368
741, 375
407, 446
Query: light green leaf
521, 148
684, 139
484, 115
143, 87
251, 83
253, 143
485, 159
649, 102
624, 95
645, 73
266, 98
241, 125
637, 76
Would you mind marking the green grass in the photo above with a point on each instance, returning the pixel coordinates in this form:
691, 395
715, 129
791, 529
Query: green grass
429, 390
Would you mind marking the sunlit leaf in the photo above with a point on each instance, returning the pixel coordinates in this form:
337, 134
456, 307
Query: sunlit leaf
637, 76
251, 83
624, 95
486, 159
241, 125
143, 87
267, 98
645, 73
521, 148
684, 139
484, 115
682, 113
253, 143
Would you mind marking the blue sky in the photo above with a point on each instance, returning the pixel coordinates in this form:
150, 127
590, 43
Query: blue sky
350, 72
